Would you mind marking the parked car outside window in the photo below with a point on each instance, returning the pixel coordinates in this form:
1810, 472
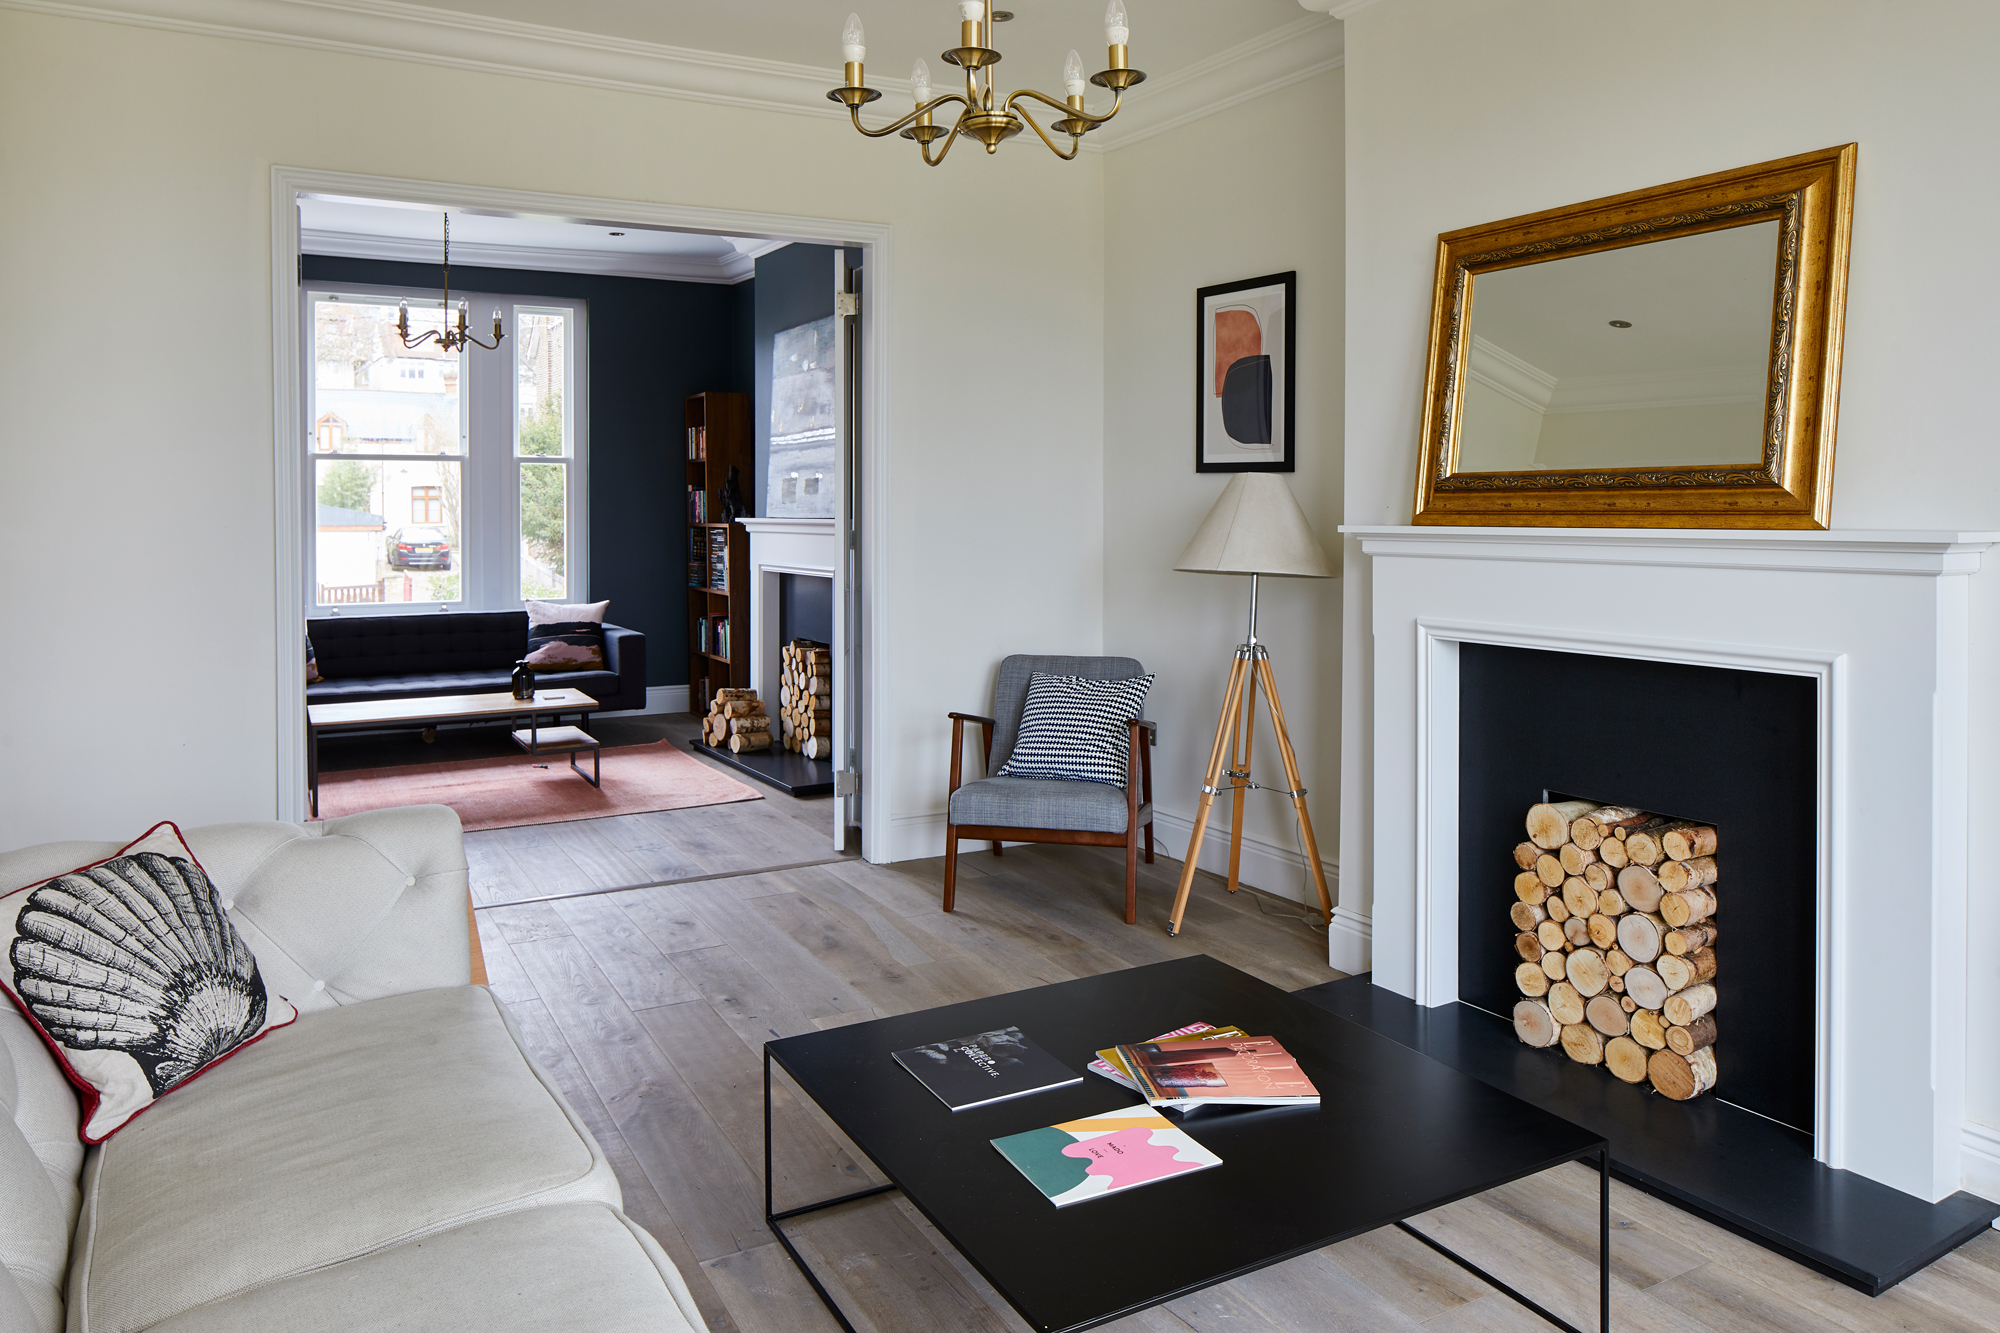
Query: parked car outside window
419, 547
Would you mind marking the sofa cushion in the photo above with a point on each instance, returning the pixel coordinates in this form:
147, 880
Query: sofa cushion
358, 1128
566, 637
1089, 807
40, 1157
569, 1268
133, 972
423, 685
350, 647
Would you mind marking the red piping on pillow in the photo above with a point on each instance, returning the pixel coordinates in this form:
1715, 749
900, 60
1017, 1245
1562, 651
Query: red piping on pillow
87, 1091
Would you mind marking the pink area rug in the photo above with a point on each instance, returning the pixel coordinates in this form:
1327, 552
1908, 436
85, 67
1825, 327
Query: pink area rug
530, 789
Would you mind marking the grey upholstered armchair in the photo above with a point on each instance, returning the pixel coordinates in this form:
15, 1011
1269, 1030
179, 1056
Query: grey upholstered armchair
1038, 810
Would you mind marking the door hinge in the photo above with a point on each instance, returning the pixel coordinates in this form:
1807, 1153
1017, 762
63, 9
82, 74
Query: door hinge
846, 783
847, 303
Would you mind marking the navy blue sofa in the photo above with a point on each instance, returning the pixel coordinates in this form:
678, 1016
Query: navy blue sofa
457, 652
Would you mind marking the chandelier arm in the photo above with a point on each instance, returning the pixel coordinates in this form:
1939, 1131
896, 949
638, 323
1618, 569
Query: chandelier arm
949, 139
1075, 143
932, 105
1066, 108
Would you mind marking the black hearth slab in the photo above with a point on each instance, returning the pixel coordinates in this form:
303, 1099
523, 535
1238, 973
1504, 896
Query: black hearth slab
791, 773
1730, 1166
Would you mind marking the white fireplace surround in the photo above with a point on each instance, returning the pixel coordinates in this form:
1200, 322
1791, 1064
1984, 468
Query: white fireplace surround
1879, 619
780, 546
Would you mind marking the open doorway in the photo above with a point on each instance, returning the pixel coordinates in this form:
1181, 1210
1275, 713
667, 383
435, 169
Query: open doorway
510, 472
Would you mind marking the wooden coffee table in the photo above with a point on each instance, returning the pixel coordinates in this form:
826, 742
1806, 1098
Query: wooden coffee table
1395, 1135
434, 709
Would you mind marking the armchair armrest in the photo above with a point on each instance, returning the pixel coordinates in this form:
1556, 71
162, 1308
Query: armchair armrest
958, 721
1152, 729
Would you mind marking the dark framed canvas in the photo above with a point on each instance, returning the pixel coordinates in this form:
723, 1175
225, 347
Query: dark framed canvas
1245, 394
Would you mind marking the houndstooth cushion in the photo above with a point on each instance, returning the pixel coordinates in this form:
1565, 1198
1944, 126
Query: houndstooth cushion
1073, 728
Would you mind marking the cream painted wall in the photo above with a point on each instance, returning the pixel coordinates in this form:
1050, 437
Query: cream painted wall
1252, 190
1465, 111
135, 404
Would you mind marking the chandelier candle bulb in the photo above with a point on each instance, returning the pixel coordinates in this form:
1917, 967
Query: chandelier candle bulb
920, 84
1116, 33
969, 14
853, 49
1073, 80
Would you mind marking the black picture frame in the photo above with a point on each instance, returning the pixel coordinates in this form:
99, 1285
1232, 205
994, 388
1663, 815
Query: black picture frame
1252, 394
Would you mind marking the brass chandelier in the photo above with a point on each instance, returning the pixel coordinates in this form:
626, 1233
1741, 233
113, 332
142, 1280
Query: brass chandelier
450, 339
984, 117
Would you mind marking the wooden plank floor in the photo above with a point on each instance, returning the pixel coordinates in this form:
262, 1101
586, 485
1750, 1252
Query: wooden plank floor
651, 1006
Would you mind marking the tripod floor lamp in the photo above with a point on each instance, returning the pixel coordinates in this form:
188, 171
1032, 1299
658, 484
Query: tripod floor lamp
1255, 528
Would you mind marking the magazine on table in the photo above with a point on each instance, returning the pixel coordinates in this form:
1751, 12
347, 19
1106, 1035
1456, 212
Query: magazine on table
1217, 1071
1103, 1154
1110, 1066
984, 1068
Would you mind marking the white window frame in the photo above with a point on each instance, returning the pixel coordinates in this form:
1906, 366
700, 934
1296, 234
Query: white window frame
490, 484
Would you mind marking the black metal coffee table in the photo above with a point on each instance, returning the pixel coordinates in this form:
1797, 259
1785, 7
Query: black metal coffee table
1395, 1134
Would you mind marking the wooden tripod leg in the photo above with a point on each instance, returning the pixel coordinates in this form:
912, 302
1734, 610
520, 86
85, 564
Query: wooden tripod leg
1298, 787
1247, 730
1239, 671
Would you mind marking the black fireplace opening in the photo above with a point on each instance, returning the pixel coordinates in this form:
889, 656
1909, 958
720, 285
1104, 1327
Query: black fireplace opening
1731, 748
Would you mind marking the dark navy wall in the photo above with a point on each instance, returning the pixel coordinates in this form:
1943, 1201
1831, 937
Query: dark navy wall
794, 286
652, 344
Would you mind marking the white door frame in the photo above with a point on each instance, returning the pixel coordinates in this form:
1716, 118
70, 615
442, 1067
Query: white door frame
288, 184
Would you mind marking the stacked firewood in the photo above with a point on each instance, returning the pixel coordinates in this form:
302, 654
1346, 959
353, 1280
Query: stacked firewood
737, 721
805, 698
1616, 915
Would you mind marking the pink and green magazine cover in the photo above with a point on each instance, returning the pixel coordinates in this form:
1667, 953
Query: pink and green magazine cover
1103, 1154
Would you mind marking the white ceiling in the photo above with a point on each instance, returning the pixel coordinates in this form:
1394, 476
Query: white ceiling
378, 229
1167, 35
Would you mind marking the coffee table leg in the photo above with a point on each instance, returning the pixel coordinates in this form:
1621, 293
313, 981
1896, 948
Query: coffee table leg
772, 1218
1603, 1257
312, 769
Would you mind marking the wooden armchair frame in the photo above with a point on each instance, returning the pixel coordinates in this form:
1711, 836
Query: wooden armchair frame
1138, 759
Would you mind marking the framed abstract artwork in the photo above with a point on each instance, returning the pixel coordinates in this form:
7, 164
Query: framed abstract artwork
1245, 374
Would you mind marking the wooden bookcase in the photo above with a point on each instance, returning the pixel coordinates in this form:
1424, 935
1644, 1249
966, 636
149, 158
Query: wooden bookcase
718, 430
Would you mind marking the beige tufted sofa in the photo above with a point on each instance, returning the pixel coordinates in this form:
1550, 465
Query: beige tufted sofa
393, 1160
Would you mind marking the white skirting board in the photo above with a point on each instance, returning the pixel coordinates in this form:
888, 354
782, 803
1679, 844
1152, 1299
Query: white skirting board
1979, 1162
659, 699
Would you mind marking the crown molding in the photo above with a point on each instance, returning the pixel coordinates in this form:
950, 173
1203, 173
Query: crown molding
1283, 56
723, 270
1339, 9
398, 31
392, 29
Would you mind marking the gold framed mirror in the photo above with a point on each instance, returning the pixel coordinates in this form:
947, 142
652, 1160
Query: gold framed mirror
1667, 358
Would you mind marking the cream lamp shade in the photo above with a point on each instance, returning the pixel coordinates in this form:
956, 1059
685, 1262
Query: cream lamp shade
1256, 527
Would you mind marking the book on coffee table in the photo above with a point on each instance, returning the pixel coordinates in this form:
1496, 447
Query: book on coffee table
984, 1068
1220, 1071
1103, 1154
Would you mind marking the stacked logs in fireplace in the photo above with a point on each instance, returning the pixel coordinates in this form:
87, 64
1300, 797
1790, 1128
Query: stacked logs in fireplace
805, 698
1616, 915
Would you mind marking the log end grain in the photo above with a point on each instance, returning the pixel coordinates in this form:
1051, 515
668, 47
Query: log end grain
1626, 1059
1534, 1026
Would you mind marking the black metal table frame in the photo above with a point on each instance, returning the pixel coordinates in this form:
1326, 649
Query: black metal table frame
386, 725
1603, 1153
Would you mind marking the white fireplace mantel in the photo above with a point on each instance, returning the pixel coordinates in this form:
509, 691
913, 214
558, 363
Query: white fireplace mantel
780, 546
1879, 619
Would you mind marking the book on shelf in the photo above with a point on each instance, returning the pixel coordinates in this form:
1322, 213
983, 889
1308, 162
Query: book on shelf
1104, 1154
984, 1068
697, 506
1111, 1066
697, 574
1217, 1071
697, 443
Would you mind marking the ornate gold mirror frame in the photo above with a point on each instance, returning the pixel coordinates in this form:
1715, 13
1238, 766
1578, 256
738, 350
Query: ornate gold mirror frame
1811, 197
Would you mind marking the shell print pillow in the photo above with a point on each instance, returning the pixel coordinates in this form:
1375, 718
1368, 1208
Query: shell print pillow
132, 973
